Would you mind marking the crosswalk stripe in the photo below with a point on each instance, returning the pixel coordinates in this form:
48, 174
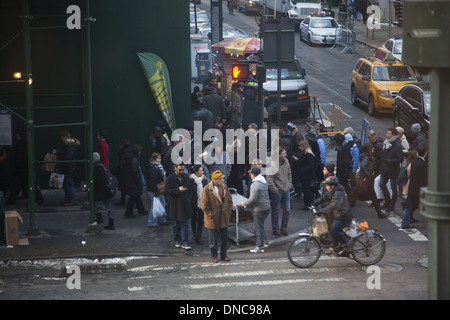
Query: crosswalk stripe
256, 273
414, 234
260, 283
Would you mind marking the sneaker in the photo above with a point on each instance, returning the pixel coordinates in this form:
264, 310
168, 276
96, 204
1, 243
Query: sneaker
185, 246
177, 244
257, 250
406, 227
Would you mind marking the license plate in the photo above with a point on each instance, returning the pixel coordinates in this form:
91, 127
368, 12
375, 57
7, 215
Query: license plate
284, 108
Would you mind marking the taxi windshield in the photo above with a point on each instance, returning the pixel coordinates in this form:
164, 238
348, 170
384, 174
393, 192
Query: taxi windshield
393, 73
323, 23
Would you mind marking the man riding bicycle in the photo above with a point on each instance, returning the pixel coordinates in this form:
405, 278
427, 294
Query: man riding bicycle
337, 208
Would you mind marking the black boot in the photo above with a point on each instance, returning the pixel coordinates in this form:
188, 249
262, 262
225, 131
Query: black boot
99, 217
110, 225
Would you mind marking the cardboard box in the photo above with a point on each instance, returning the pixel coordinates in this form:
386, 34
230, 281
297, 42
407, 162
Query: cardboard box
12, 229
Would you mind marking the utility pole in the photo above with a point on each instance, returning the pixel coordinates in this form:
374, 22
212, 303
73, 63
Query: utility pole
426, 46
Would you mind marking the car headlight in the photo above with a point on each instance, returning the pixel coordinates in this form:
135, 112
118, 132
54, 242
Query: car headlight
383, 93
301, 92
315, 34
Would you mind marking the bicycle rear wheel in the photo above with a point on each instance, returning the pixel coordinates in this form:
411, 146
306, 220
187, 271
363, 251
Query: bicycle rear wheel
304, 251
368, 248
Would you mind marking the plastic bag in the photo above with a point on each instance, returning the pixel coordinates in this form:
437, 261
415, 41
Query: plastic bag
56, 180
158, 208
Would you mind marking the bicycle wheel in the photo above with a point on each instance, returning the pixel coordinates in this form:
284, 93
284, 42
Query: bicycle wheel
304, 251
368, 248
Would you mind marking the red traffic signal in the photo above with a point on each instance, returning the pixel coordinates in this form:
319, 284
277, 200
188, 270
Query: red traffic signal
240, 71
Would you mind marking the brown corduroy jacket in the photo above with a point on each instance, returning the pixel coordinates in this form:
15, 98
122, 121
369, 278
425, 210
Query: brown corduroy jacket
217, 213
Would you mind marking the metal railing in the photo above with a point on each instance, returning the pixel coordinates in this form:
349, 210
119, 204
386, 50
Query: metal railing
346, 39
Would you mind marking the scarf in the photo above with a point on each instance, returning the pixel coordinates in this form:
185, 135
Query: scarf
388, 143
198, 182
221, 191
160, 167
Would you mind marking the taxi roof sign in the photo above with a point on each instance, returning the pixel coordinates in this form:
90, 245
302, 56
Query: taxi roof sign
384, 56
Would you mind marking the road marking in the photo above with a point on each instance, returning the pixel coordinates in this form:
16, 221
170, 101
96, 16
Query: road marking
256, 273
414, 234
260, 283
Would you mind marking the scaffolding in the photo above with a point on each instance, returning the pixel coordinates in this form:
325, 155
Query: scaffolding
29, 119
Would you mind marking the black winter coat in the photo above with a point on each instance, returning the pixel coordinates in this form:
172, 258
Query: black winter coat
391, 159
101, 193
68, 152
155, 176
305, 167
181, 203
132, 177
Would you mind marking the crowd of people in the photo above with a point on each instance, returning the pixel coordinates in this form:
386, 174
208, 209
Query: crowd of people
198, 195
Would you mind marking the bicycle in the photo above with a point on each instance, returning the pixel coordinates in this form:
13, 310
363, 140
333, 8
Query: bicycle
365, 246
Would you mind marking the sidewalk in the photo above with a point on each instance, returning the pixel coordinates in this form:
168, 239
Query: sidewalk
376, 37
63, 233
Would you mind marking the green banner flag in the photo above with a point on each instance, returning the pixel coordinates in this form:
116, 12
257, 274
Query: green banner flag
157, 74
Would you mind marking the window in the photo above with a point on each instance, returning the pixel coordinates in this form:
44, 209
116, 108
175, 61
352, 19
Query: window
364, 70
290, 70
393, 73
323, 23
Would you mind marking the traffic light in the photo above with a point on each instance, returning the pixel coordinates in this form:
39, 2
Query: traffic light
240, 71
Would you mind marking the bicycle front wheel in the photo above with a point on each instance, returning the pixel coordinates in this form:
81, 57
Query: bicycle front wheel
368, 248
304, 251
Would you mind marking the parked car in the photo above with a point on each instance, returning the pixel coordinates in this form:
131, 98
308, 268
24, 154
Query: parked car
395, 46
248, 6
202, 19
318, 30
413, 105
377, 80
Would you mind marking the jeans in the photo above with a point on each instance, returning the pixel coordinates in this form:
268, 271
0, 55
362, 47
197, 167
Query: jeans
69, 189
337, 231
105, 205
181, 231
151, 219
283, 200
407, 213
259, 217
389, 202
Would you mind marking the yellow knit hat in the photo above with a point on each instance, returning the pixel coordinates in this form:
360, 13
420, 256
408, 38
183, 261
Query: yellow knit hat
217, 175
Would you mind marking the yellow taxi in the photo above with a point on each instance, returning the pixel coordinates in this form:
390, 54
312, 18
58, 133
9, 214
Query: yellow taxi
377, 80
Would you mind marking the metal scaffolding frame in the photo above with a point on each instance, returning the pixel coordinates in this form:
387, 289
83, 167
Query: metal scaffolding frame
31, 126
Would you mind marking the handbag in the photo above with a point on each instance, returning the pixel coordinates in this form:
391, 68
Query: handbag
50, 167
362, 184
320, 226
56, 180
161, 188
158, 209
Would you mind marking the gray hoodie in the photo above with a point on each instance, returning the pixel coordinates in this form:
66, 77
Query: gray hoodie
259, 195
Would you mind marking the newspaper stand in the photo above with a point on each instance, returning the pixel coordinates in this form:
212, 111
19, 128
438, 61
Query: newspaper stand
239, 217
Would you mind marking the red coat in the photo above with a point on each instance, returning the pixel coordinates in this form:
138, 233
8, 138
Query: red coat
103, 150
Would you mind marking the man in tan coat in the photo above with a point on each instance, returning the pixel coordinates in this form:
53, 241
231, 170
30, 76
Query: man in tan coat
217, 204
